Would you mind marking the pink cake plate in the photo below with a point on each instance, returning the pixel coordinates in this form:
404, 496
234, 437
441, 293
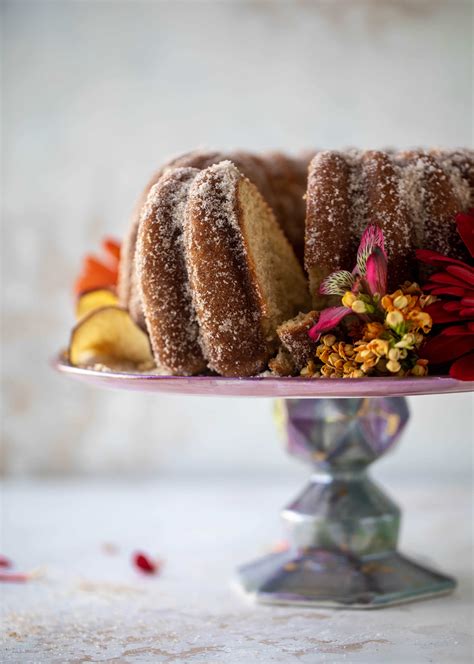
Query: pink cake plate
342, 529
266, 386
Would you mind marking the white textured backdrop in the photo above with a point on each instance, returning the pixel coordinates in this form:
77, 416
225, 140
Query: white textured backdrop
97, 94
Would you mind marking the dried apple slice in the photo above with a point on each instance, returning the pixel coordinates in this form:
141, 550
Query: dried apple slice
109, 336
95, 299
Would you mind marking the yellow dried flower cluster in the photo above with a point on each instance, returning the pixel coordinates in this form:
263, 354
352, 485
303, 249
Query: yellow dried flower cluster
405, 307
334, 359
386, 347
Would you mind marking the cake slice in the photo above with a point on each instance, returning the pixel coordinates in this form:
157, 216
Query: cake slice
162, 278
244, 276
280, 179
128, 290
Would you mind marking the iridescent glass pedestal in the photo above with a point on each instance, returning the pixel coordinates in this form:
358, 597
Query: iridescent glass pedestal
342, 529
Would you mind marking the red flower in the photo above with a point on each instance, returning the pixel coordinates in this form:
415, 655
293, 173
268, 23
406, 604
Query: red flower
454, 284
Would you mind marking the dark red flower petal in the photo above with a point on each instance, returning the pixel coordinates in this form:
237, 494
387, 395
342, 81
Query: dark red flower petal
465, 225
467, 313
5, 562
456, 331
463, 368
454, 291
441, 313
434, 258
462, 272
447, 278
443, 348
451, 305
143, 562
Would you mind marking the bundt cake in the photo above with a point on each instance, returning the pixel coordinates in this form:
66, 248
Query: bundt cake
213, 261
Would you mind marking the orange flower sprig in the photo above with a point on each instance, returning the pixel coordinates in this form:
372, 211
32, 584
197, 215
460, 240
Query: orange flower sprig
389, 347
99, 272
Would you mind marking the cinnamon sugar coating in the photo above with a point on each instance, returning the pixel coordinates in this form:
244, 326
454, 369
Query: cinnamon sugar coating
438, 201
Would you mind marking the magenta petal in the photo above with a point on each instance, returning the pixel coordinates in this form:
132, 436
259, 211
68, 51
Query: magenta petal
376, 272
372, 239
328, 319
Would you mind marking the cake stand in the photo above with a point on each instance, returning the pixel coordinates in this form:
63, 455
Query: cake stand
342, 529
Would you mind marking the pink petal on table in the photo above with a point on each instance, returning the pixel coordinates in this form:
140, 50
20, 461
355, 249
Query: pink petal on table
14, 577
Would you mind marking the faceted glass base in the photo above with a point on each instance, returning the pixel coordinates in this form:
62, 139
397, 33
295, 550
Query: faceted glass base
318, 577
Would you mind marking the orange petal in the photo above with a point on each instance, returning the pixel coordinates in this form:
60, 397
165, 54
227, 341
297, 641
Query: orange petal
111, 248
88, 282
93, 265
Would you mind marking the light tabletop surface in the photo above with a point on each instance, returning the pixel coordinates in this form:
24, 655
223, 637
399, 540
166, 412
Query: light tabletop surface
87, 603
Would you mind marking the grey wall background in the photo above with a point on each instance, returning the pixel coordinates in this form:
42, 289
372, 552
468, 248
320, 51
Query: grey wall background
97, 94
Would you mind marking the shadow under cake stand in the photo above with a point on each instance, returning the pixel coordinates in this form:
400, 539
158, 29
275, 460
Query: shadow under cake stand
342, 529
